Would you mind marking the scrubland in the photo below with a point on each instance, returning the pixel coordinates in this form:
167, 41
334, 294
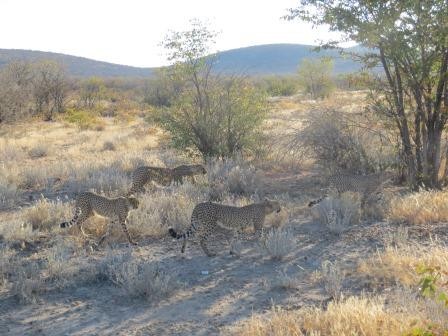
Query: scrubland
334, 269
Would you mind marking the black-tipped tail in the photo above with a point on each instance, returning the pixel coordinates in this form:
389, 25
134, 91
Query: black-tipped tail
172, 233
312, 203
64, 225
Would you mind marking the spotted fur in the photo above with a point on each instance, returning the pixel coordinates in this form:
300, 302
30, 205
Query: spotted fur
365, 185
163, 176
88, 204
206, 217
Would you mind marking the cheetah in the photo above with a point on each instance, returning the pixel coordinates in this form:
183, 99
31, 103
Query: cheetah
88, 203
366, 185
163, 176
206, 217
145, 174
187, 171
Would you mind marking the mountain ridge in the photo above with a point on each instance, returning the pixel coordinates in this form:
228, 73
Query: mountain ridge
258, 60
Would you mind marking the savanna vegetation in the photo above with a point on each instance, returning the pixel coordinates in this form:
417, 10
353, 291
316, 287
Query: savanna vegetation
338, 268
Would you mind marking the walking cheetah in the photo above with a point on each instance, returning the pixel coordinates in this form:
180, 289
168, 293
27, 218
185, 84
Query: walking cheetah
187, 171
207, 216
145, 174
163, 176
87, 204
366, 185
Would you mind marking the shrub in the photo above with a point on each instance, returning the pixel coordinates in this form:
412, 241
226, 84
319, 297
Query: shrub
82, 118
38, 151
280, 86
337, 145
216, 116
315, 77
338, 214
139, 279
332, 276
109, 146
233, 176
278, 243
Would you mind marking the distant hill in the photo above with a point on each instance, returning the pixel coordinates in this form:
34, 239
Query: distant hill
278, 59
269, 59
76, 66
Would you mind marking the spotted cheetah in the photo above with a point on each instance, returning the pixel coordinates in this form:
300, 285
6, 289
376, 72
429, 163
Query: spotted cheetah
206, 217
163, 176
145, 174
187, 171
366, 185
88, 203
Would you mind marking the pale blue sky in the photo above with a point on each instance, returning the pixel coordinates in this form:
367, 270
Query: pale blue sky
129, 32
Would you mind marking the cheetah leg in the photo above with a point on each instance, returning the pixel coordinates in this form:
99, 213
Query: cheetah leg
234, 243
205, 248
184, 245
126, 231
108, 232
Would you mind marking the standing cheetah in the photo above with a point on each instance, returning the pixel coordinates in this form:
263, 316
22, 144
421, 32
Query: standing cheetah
366, 185
87, 204
206, 217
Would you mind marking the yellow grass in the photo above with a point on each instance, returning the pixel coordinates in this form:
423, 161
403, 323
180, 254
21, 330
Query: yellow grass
401, 263
351, 316
424, 207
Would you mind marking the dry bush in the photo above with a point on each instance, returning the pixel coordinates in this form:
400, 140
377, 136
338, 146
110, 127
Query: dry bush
28, 284
233, 176
338, 214
45, 215
332, 277
14, 229
398, 237
38, 151
166, 208
10, 151
338, 142
9, 194
59, 263
424, 207
284, 281
6, 264
278, 243
138, 279
399, 264
109, 146
352, 316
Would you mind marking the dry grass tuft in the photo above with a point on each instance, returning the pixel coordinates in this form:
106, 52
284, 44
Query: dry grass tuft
347, 317
424, 207
45, 215
278, 243
399, 264
38, 151
332, 276
109, 146
338, 214
138, 279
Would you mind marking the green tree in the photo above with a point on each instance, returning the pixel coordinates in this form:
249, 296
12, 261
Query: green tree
215, 115
409, 40
91, 91
315, 76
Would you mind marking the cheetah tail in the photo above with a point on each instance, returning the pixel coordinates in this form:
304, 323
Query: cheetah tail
312, 203
178, 235
72, 221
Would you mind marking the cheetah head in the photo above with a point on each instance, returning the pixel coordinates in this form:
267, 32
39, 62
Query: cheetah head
271, 206
133, 202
